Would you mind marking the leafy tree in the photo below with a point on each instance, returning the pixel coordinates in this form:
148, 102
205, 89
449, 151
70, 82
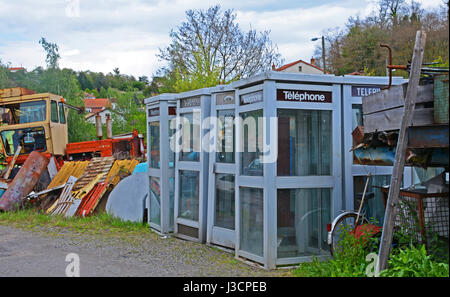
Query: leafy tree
210, 43
3, 75
356, 47
52, 51
84, 81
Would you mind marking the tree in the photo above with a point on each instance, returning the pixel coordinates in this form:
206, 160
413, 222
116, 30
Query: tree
52, 51
4, 81
356, 47
210, 44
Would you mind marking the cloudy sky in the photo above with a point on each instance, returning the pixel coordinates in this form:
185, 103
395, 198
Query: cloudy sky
100, 35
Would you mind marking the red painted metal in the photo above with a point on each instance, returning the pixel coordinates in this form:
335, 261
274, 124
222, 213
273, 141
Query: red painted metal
24, 182
22, 158
107, 147
90, 201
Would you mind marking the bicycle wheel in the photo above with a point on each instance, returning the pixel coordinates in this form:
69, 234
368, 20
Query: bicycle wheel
344, 225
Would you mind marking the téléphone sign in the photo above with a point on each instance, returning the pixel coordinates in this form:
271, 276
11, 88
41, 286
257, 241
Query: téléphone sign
304, 96
362, 91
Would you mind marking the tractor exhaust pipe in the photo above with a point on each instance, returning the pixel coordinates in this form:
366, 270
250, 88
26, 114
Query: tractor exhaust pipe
108, 126
98, 126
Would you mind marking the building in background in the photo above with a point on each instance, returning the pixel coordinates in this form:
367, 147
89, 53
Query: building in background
300, 66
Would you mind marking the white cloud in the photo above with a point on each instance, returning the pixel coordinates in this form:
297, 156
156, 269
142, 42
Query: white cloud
128, 34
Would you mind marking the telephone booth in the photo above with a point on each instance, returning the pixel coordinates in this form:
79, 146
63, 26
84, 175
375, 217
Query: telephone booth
161, 113
191, 167
292, 166
222, 169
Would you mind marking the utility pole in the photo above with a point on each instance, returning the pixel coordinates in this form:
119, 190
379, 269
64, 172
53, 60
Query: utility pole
323, 53
402, 143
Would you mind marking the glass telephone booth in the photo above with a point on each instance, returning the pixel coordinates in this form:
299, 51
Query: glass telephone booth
191, 169
222, 169
161, 113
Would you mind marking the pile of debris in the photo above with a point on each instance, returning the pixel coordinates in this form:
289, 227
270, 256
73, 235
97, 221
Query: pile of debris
79, 188
376, 141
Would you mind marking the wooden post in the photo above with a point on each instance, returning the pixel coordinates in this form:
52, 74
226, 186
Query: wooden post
397, 174
13, 162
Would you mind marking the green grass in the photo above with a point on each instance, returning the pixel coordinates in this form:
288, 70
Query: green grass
97, 224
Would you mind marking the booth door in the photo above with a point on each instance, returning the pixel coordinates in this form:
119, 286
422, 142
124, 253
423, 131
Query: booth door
224, 181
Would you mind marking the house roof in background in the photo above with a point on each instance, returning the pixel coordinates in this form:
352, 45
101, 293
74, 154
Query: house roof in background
296, 62
97, 103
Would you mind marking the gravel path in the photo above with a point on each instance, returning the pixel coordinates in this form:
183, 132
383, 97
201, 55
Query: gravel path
42, 252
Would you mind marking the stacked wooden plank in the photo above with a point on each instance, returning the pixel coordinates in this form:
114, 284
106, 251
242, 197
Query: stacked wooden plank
383, 111
15, 92
95, 167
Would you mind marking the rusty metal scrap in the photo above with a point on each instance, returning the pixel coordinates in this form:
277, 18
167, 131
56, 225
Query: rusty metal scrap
24, 182
91, 200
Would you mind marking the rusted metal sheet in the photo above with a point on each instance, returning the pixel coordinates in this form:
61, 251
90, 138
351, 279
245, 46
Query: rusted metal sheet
90, 201
382, 156
434, 136
24, 182
385, 156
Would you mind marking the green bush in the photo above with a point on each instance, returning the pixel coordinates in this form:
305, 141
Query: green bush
414, 262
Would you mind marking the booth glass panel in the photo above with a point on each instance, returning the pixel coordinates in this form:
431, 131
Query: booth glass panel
357, 120
154, 144
190, 137
302, 218
155, 201
225, 146
357, 116
252, 143
252, 220
224, 201
189, 193
304, 142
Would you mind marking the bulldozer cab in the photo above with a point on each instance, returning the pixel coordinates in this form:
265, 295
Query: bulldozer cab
35, 122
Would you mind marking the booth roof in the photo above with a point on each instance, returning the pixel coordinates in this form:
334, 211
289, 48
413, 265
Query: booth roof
317, 78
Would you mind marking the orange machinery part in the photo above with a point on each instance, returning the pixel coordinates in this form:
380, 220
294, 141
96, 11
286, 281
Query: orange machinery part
104, 146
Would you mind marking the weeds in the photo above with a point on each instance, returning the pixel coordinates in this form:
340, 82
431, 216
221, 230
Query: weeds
415, 262
101, 223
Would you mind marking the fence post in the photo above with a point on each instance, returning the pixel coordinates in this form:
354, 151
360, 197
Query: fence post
397, 174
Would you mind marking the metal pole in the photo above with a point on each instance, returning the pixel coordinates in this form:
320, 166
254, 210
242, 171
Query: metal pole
323, 54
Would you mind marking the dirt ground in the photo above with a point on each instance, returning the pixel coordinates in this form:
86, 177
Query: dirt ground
43, 251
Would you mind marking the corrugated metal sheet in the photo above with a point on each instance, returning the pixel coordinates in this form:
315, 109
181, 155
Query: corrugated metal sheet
120, 168
68, 169
90, 201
